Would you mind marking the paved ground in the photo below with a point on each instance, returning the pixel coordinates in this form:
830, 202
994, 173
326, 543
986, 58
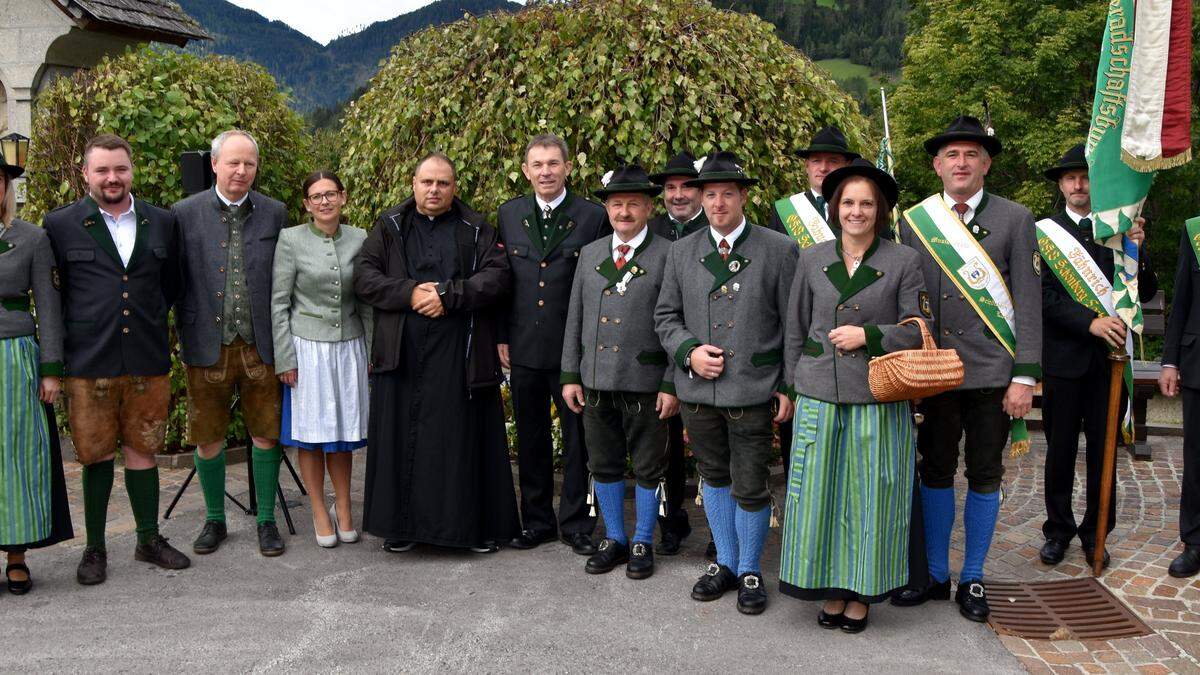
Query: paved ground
357, 608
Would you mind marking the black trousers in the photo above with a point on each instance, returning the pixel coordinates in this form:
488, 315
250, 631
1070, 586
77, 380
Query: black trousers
734, 447
1189, 497
675, 477
532, 392
977, 413
624, 424
1068, 406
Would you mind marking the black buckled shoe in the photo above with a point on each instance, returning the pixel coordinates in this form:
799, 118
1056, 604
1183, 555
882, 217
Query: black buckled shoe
18, 587
210, 538
711, 551
531, 539
158, 552
1186, 564
672, 539
716, 580
1089, 553
270, 544
972, 600
1053, 550
93, 567
641, 561
752, 597
611, 554
580, 543
911, 597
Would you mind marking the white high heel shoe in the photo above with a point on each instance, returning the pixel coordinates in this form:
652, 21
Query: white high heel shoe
326, 540
345, 536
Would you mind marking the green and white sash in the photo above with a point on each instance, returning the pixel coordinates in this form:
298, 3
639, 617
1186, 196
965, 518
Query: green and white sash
1193, 231
805, 223
968, 266
1085, 281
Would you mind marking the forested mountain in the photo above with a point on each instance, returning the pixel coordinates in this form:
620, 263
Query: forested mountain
319, 76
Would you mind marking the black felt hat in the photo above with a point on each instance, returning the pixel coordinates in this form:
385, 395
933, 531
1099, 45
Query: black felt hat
965, 128
721, 167
12, 170
830, 139
683, 164
627, 178
861, 167
1072, 159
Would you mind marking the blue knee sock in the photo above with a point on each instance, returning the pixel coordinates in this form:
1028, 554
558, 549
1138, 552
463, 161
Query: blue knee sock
719, 507
611, 497
938, 506
646, 500
752, 529
979, 522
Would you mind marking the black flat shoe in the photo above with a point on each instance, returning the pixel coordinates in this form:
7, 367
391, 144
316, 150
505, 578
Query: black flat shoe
1089, 553
716, 581
270, 544
911, 597
641, 561
1053, 550
1187, 564
580, 543
752, 597
485, 548
972, 600
211, 536
397, 545
671, 541
829, 621
531, 539
854, 625
93, 567
611, 554
18, 587
158, 552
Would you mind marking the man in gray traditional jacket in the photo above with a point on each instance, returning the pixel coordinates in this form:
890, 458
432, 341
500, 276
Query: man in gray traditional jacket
720, 316
615, 372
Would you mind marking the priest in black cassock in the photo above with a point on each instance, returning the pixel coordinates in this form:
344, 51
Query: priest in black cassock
437, 456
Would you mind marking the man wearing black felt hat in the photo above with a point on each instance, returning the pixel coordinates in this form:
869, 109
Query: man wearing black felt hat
1077, 337
805, 215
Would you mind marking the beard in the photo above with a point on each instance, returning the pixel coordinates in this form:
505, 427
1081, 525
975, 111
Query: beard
104, 197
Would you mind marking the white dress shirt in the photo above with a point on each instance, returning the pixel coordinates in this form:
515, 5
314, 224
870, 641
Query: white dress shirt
730, 238
225, 200
972, 204
553, 203
816, 195
633, 244
123, 228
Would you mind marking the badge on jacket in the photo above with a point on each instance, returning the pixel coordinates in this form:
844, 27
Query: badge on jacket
734, 266
55, 280
1037, 263
923, 303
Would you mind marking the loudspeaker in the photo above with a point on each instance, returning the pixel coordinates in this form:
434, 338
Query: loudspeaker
195, 167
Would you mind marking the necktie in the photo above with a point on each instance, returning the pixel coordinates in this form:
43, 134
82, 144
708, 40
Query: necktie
961, 209
623, 249
546, 213
723, 247
821, 205
1085, 224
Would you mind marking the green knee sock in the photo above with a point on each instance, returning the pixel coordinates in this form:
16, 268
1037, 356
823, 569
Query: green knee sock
266, 481
142, 486
97, 486
212, 482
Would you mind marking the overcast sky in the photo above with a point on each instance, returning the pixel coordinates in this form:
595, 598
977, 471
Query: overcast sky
323, 20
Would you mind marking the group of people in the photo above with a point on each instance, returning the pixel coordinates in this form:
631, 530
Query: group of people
633, 328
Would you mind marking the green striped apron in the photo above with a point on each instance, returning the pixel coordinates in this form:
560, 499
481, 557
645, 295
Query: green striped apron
24, 446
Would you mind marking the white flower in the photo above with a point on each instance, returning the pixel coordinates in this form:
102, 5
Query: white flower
700, 162
605, 178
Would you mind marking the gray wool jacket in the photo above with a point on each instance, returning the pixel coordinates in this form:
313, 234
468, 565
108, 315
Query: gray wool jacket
738, 305
27, 266
610, 343
1007, 234
886, 288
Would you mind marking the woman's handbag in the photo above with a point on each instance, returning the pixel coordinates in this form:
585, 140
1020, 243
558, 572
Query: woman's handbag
914, 373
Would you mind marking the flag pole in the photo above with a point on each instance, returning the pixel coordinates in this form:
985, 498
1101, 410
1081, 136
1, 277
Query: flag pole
887, 156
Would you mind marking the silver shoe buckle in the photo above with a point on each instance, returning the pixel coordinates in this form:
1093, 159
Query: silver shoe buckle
639, 549
975, 591
751, 582
713, 570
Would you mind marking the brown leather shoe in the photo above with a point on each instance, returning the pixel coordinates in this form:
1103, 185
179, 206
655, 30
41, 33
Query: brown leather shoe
158, 552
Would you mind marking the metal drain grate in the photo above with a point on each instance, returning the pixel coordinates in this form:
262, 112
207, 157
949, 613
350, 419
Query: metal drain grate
1070, 609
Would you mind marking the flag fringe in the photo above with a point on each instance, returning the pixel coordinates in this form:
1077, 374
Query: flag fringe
1157, 163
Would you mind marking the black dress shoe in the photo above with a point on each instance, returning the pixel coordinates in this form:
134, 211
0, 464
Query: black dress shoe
752, 597
93, 567
18, 587
611, 554
210, 538
580, 543
972, 600
485, 548
716, 580
711, 551
641, 561
829, 621
1089, 553
854, 625
671, 541
531, 539
158, 552
397, 545
270, 544
1053, 550
911, 597
1187, 564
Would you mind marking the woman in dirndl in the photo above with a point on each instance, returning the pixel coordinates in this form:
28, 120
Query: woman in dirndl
849, 492
322, 333
33, 496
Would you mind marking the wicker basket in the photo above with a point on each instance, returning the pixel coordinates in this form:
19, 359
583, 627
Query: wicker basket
915, 373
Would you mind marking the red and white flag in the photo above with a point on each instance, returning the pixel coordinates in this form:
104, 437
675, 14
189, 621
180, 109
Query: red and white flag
1157, 115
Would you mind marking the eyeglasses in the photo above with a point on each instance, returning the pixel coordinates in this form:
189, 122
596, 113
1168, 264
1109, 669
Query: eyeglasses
324, 197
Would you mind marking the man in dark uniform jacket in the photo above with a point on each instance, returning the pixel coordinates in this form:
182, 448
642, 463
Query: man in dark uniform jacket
119, 275
827, 152
1075, 347
543, 233
684, 216
1181, 370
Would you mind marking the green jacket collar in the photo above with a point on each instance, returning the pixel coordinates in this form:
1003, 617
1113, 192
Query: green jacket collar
848, 286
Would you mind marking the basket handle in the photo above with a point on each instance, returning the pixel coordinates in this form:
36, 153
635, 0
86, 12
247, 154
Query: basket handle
926, 337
